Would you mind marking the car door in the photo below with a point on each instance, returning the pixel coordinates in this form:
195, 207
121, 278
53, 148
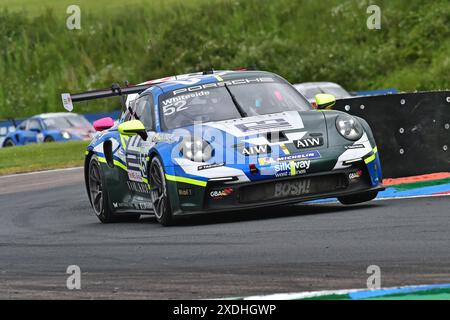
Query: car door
136, 151
33, 132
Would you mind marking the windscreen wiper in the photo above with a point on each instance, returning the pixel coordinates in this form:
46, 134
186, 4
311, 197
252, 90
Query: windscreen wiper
236, 103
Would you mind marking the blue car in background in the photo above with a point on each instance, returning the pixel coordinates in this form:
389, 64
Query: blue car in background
50, 127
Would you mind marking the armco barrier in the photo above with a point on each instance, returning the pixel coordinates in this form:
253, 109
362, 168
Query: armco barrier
412, 130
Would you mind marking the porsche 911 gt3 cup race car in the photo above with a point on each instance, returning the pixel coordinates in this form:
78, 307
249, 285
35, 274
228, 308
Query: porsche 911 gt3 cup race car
50, 127
220, 141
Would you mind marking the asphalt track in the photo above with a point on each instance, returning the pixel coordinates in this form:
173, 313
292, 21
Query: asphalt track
46, 225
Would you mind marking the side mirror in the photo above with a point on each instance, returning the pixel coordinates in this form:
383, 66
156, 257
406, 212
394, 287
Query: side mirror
103, 124
133, 127
325, 100
35, 130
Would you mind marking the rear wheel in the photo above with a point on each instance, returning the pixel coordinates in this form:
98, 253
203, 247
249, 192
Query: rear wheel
358, 198
49, 139
8, 143
99, 196
159, 194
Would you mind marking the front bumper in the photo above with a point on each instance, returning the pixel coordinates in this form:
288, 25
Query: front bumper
232, 196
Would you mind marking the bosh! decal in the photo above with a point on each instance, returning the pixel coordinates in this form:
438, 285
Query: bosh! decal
292, 188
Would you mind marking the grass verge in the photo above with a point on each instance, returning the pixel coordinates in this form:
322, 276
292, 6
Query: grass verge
38, 157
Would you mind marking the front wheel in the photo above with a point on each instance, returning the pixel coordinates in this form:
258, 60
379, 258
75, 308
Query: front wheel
99, 196
159, 195
9, 143
358, 198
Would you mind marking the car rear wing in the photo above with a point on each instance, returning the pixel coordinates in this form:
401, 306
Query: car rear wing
68, 99
12, 120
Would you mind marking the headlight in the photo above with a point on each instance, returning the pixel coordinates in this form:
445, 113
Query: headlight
349, 127
65, 135
196, 150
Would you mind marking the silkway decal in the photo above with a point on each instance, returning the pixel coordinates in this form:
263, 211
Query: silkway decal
285, 169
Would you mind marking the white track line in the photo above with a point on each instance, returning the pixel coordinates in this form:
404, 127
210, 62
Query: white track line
39, 172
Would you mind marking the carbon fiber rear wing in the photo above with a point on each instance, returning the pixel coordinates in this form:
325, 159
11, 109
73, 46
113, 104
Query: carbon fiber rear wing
115, 90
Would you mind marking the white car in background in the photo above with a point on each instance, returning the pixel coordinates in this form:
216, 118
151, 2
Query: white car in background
310, 89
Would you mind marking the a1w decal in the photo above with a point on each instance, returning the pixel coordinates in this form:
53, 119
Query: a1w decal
252, 150
308, 142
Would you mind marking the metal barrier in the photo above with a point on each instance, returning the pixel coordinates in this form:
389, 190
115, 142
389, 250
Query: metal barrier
412, 130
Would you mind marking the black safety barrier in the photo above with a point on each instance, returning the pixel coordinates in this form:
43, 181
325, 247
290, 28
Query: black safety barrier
412, 130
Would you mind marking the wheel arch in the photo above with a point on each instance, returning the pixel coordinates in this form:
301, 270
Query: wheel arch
87, 160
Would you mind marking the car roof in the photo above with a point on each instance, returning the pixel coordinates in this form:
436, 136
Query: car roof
175, 82
53, 115
317, 84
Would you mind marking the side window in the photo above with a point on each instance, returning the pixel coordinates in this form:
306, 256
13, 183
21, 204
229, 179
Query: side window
23, 125
34, 125
143, 110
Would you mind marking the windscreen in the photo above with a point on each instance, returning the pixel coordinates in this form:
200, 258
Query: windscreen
228, 100
66, 122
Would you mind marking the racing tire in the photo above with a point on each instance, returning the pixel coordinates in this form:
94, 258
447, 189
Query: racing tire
8, 143
358, 198
98, 196
49, 139
159, 194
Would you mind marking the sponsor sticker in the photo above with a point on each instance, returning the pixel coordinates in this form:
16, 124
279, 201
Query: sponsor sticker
210, 166
219, 194
308, 142
185, 192
265, 161
355, 175
301, 156
292, 188
292, 168
252, 150
355, 146
263, 125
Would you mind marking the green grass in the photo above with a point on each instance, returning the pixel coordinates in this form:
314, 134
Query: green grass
46, 156
302, 40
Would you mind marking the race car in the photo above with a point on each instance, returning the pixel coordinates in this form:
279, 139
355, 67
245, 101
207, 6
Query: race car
310, 89
50, 127
223, 141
